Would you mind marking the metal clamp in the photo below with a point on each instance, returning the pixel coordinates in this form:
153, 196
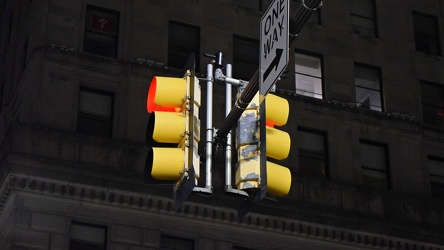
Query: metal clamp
312, 9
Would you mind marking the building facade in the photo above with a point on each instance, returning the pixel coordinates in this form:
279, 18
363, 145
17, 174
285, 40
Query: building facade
365, 84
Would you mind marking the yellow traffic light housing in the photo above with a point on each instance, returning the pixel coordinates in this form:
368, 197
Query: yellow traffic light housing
278, 145
250, 174
173, 132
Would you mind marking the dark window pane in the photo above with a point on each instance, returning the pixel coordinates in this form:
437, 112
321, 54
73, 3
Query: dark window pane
432, 95
176, 243
374, 167
245, 57
183, 39
363, 17
426, 33
87, 237
436, 170
95, 112
80, 245
437, 190
433, 115
312, 154
311, 164
249, 4
374, 179
241, 248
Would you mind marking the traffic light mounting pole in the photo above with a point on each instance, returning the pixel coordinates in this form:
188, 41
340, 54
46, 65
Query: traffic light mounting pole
296, 24
229, 81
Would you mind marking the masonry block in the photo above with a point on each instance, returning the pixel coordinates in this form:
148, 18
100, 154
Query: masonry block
59, 242
118, 246
323, 195
151, 237
376, 204
140, 248
31, 238
24, 218
127, 234
412, 212
49, 222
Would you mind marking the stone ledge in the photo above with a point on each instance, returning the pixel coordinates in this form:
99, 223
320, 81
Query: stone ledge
252, 221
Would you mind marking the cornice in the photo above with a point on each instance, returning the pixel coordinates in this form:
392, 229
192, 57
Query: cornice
210, 214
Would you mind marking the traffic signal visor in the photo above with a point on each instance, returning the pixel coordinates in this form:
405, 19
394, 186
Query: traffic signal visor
166, 94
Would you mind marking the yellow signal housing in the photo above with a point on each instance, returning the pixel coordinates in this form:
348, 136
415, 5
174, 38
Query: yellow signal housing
167, 163
166, 94
278, 145
169, 127
247, 143
278, 179
174, 118
276, 109
277, 142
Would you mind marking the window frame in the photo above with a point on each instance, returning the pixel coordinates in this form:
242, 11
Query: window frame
178, 238
244, 61
438, 191
384, 147
372, 19
105, 228
255, 5
321, 78
175, 51
437, 108
436, 32
85, 115
91, 35
304, 152
378, 70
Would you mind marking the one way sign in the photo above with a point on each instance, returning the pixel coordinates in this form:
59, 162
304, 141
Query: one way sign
273, 44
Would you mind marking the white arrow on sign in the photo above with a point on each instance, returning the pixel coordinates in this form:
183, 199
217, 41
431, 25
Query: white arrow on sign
273, 44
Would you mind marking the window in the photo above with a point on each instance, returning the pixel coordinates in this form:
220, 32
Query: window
95, 112
245, 57
308, 70
368, 87
373, 159
363, 20
101, 31
249, 4
426, 33
242, 248
315, 17
432, 95
176, 243
183, 39
436, 169
86, 236
312, 153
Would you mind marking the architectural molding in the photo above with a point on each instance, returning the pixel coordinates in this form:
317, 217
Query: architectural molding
252, 221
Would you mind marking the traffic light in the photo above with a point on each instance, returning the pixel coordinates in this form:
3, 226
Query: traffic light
250, 176
173, 134
278, 145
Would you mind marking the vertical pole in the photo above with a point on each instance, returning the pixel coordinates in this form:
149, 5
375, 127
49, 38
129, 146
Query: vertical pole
228, 101
209, 127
